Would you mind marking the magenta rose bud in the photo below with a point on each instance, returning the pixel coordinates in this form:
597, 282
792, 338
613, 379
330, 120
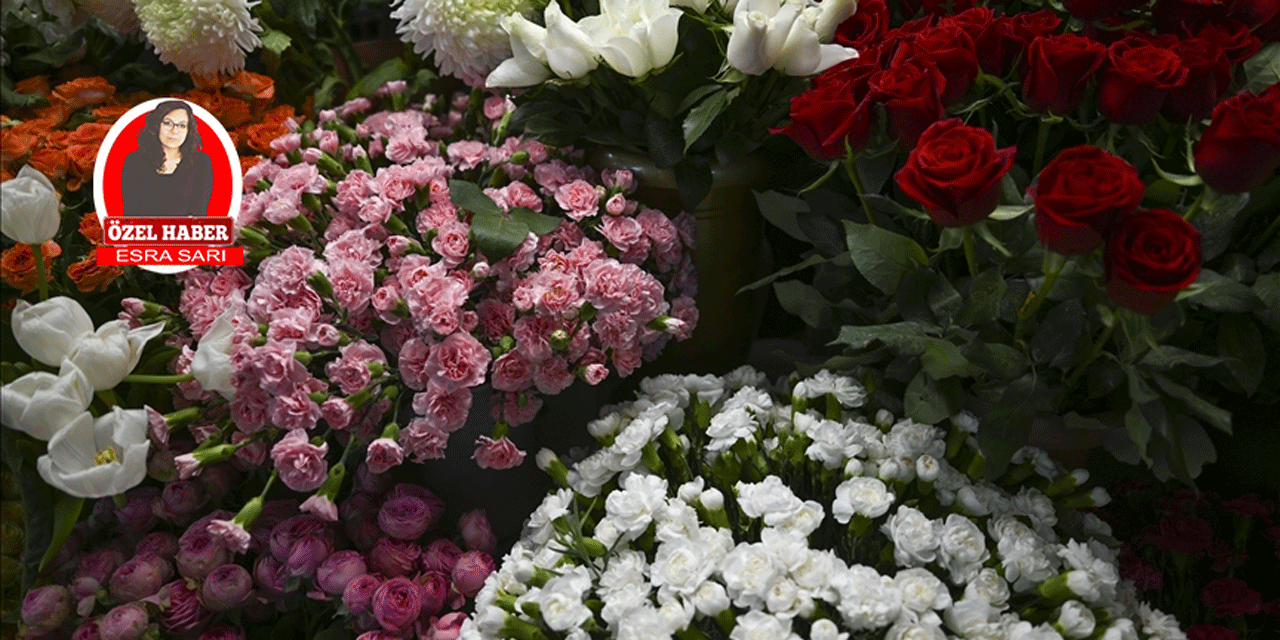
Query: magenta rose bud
470, 572
269, 575
358, 594
125, 622
1152, 254
338, 569
396, 604
288, 532
447, 626
440, 556
223, 632
435, 592
1079, 194
160, 543
138, 513
406, 517
100, 564
226, 588
46, 608
476, 532
306, 555
184, 613
954, 173
139, 577
392, 557
199, 552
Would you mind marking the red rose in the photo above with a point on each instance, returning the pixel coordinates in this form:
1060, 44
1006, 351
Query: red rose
1005, 40
1151, 255
1240, 150
1210, 632
912, 96
948, 48
947, 7
955, 172
865, 27
828, 117
1208, 76
1136, 79
1234, 37
1059, 68
1079, 194
1231, 597
1170, 16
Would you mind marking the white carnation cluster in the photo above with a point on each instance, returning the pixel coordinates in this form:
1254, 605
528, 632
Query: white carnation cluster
713, 510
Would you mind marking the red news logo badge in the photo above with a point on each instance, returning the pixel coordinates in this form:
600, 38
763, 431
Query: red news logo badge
169, 241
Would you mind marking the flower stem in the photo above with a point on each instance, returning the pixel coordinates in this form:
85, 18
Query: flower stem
1052, 266
851, 168
970, 255
1042, 142
1195, 206
1096, 351
149, 379
41, 279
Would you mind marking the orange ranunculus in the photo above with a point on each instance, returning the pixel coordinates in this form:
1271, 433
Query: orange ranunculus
259, 136
89, 133
90, 276
38, 127
83, 157
56, 111
51, 162
279, 114
253, 84
235, 112
212, 101
35, 84
91, 228
109, 113
15, 144
57, 139
18, 265
84, 91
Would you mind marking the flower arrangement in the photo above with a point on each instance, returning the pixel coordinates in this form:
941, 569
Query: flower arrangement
1204, 557
148, 566
1038, 215
689, 84
716, 509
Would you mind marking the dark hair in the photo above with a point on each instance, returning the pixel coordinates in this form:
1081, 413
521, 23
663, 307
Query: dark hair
149, 146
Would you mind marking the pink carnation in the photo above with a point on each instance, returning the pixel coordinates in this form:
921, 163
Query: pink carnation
232, 534
351, 370
321, 507
383, 454
421, 441
512, 372
442, 408
467, 154
497, 454
578, 199
458, 361
301, 464
452, 242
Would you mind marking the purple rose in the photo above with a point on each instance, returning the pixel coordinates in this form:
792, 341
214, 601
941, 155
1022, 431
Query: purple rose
139, 577
288, 532
406, 518
160, 543
137, 515
396, 604
392, 557
440, 556
199, 552
476, 532
182, 498
100, 564
226, 588
470, 572
125, 622
306, 555
223, 632
46, 607
447, 626
435, 591
339, 569
87, 631
184, 613
269, 575
358, 594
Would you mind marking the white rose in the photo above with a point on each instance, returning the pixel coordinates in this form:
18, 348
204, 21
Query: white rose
40, 403
29, 208
97, 458
1075, 620
963, 548
528, 64
862, 496
570, 51
634, 37
211, 364
109, 354
915, 537
47, 329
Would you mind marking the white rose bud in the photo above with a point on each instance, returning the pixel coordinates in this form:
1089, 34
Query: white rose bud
29, 208
1075, 620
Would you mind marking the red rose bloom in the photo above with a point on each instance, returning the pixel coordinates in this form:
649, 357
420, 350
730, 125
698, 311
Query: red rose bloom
1210, 632
912, 96
949, 48
1170, 16
1234, 37
955, 172
1151, 255
865, 27
1208, 76
1059, 68
1005, 39
831, 115
1079, 194
1240, 150
1231, 597
1136, 79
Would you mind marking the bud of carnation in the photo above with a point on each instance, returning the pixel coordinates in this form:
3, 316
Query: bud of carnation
338, 569
447, 626
125, 622
476, 532
712, 499
358, 594
435, 591
396, 604
440, 556
392, 557
184, 613
306, 555
470, 572
226, 588
46, 607
406, 517
139, 577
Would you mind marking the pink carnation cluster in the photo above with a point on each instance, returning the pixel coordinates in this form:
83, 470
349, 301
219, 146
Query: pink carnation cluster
369, 309
129, 574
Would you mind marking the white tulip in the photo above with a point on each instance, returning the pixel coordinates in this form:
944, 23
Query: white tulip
40, 403
29, 210
47, 329
571, 54
528, 64
97, 458
211, 364
785, 35
635, 37
110, 353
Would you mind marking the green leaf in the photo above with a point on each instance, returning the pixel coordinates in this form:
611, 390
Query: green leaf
13, 99
665, 141
1139, 430
539, 223
1218, 222
1263, 68
984, 232
906, 337
1167, 357
874, 171
1240, 347
1011, 211
1194, 445
944, 299
808, 262
58, 54
804, 302
982, 302
1180, 179
913, 294
927, 401
1219, 293
66, 512
393, 69
1058, 336
1267, 288
496, 235
276, 41
469, 196
1140, 390
1073, 420
782, 211
1000, 361
943, 359
1218, 417
703, 115
1007, 427
883, 257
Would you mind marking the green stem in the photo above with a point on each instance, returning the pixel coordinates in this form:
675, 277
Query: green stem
1262, 239
1052, 266
1042, 142
970, 255
41, 278
1195, 206
1098, 346
149, 379
851, 168
108, 396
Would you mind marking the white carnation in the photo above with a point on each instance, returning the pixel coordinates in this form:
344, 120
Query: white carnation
902, 630
824, 629
728, 427
200, 37
538, 529
988, 586
911, 439
862, 496
833, 443
867, 600
679, 567
758, 625
1159, 625
675, 521
560, 601
846, 391
915, 537
1122, 629
710, 598
921, 590
623, 603
963, 548
1075, 620
967, 616
749, 570
632, 508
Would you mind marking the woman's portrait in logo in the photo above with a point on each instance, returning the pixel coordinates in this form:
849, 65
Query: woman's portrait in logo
168, 175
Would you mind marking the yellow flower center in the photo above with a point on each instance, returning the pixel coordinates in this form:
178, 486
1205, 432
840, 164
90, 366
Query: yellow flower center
106, 456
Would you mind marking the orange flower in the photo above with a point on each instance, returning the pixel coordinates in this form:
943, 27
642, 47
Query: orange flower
34, 84
84, 91
89, 133
212, 101
210, 82
18, 265
91, 228
108, 113
252, 84
57, 139
15, 144
56, 112
51, 162
235, 112
259, 136
5, 176
82, 157
279, 114
90, 276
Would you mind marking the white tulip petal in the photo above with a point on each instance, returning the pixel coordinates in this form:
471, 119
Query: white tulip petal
75, 446
47, 329
94, 482
40, 403
133, 468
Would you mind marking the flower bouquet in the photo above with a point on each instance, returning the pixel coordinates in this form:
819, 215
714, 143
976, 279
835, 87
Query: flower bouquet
1201, 556
715, 509
690, 84
1047, 216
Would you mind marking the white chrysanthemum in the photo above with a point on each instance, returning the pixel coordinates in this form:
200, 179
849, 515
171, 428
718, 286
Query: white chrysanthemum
200, 37
465, 35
